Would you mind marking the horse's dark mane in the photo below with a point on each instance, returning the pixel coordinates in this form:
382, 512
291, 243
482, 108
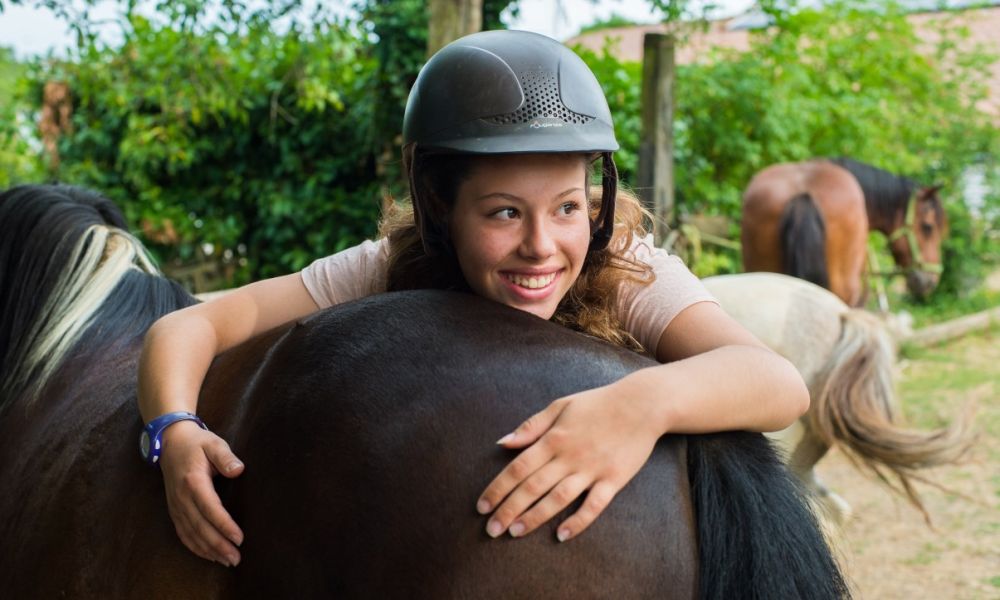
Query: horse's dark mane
885, 193
45, 232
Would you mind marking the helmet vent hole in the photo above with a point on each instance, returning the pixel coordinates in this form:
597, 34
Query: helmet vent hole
541, 99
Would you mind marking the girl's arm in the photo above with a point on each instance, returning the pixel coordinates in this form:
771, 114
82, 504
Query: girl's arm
176, 355
717, 377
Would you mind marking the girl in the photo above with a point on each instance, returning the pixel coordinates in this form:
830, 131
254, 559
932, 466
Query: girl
500, 131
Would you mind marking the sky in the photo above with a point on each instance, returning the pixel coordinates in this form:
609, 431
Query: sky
33, 32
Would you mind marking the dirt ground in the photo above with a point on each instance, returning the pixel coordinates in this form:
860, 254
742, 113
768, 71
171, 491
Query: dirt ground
887, 550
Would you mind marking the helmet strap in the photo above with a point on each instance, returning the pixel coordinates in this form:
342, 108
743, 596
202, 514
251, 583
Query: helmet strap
603, 227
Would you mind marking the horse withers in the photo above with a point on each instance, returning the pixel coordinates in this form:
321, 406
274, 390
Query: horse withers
811, 220
367, 436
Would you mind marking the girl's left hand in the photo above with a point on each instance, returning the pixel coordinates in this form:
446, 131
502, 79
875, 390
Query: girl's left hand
595, 440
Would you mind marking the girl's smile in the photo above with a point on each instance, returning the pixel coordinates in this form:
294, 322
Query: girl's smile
521, 229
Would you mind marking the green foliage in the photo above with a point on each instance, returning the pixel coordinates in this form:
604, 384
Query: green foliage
851, 79
619, 81
842, 81
236, 133
19, 161
267, 133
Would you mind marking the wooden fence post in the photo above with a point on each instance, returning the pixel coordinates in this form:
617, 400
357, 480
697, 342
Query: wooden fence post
450, 20
656, 151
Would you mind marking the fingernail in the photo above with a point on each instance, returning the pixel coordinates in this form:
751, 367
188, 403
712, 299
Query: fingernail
483, 507
507, 438
562, 535
233, 560
233, 466
517, 529
236, 539
494, 528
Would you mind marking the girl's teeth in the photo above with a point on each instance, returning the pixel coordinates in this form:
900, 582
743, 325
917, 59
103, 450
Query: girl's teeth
532, 283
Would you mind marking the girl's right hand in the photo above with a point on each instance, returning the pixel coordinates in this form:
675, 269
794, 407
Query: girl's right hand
191, 456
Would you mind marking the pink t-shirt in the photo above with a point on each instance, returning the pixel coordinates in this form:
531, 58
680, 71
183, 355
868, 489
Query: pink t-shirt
644, 310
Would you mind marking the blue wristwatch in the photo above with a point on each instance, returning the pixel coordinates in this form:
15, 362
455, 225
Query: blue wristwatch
151, 438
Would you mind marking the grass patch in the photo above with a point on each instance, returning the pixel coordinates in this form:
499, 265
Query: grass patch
925, 556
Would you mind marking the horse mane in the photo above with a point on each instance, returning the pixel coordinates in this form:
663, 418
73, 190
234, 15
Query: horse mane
72, 279
885, 193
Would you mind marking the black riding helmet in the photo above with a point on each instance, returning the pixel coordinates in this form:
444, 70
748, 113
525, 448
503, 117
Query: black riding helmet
507, 92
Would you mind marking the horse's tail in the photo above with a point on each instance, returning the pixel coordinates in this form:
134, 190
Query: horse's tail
802, 234
757, 537
854, 407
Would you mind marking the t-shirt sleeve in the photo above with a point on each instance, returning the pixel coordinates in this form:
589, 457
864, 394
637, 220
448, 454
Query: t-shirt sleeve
647, 310
348, 275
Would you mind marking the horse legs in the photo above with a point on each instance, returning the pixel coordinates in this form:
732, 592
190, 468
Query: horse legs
802, 461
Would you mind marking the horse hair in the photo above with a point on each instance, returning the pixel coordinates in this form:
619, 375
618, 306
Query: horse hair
744, 504
886, 194
853, 409
67, 250
802, 235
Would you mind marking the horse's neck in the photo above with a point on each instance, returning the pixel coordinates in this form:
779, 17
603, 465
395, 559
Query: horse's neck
886, 208
885, 221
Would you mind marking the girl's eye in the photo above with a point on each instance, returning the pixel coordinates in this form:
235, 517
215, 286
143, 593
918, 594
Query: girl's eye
569, 208
506, 214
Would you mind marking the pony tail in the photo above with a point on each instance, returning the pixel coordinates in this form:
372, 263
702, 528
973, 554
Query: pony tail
855, 408
802, 235
757, 537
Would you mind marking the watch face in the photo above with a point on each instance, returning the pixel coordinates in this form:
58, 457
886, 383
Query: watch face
144, 444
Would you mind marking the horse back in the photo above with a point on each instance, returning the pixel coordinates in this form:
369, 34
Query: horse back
367, 433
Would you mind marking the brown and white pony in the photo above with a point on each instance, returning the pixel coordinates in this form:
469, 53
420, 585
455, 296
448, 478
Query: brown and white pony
848, 360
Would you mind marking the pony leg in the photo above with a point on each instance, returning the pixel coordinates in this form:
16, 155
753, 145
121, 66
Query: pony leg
802, 460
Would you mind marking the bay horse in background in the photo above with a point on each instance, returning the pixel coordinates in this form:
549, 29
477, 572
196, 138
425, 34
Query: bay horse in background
848, 360
811, 220
367, 433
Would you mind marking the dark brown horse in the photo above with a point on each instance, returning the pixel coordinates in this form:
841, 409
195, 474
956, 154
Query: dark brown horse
811, 220
366, 431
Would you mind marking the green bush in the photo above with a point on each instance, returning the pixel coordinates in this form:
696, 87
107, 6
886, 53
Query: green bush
247, 135
19, 157
851, 79
255, 140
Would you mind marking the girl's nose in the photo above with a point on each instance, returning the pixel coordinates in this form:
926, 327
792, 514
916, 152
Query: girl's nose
538, 242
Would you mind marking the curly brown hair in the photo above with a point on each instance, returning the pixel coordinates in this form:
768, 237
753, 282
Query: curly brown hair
590, 306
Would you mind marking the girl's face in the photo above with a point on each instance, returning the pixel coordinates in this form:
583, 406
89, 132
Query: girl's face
521, 228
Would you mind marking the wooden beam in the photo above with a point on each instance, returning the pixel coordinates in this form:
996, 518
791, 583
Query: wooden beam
656, 151
955, 328
450, 20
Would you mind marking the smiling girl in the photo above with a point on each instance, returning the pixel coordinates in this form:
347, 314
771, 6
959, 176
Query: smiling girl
501, 134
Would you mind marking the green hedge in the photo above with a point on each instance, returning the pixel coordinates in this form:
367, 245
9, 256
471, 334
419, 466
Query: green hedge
842, 81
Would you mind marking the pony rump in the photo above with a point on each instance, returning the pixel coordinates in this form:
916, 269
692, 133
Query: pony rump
64, 253
855, 410
802, 235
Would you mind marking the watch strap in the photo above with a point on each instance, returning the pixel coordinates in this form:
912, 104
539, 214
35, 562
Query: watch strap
151, 438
